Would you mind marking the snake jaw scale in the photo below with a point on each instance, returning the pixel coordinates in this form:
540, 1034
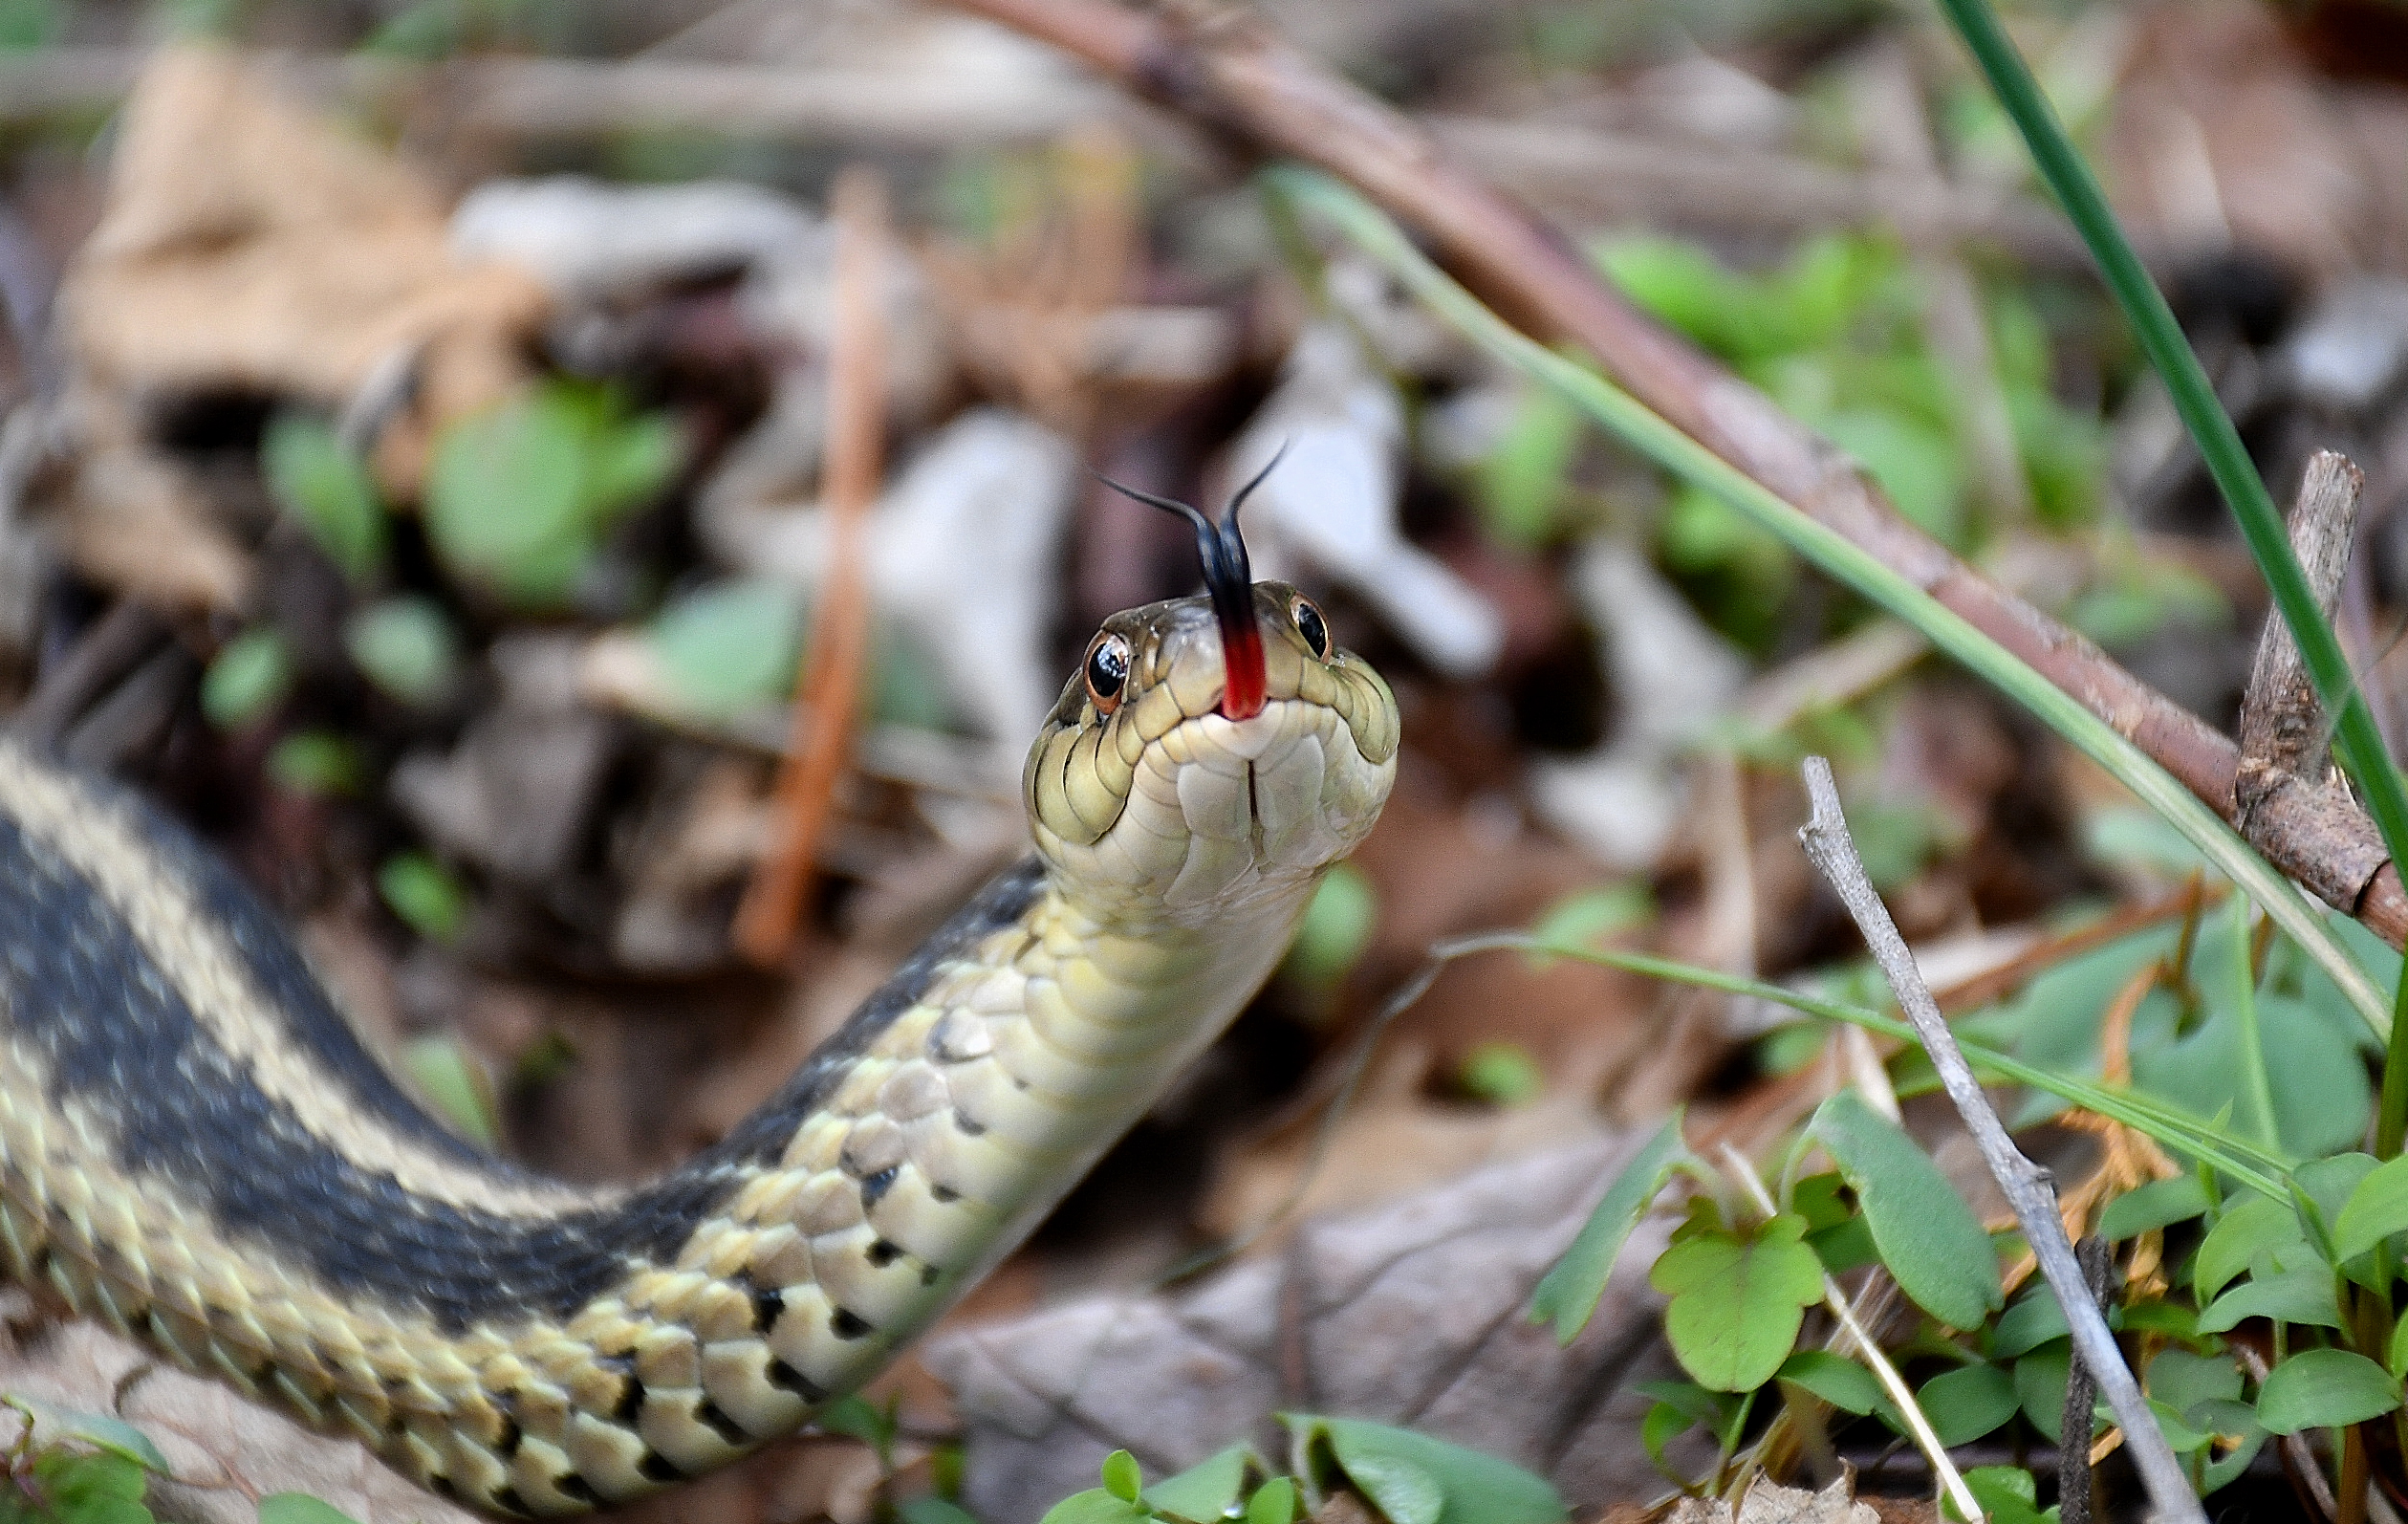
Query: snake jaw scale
912, 1091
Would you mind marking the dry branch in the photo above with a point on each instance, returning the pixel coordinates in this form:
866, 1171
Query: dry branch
2098, 1259
1598, 178
2282, 726
1231, 74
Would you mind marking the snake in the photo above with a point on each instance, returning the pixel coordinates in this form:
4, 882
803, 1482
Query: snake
198, 1151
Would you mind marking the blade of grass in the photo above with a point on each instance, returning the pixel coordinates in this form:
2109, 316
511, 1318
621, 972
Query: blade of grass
1652, 436
2250, 1163
2356, 744
2256, 1083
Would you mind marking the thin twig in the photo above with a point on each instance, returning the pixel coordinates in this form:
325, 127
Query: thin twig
2028, 1187
112, 645
1232, 74
840, 626
1926, 1438
2098, 1257
1591, 177
2298, 1455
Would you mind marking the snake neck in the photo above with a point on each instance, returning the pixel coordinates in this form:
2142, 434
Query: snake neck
962, 1102
930, 1136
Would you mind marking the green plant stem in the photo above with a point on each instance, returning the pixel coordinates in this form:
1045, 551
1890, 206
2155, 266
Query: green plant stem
1649, 433
2350, 1491
2391, 1110
2357, 743
1952, 1483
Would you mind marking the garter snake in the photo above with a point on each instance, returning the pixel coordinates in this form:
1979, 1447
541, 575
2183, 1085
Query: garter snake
196, 1150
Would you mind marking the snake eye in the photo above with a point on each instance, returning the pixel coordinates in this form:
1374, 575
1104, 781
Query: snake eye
1310, 624
1107, 672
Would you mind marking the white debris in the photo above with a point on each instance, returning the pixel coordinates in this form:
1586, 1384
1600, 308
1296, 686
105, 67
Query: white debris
1671, 675
589, 241
961, 553
584, 239
1330, 507
2352, 349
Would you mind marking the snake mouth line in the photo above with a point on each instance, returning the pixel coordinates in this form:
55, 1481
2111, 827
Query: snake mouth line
1254, 817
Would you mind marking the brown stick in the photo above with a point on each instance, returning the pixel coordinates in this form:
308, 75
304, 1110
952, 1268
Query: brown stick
1233, 75
2096, 1257
1593, 177
2282, 725
840, 627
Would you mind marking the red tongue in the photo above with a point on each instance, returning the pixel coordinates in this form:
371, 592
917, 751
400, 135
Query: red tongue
1230, 583
1242, 657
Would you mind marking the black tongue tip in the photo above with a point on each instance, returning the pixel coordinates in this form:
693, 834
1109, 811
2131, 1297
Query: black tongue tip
1229, 582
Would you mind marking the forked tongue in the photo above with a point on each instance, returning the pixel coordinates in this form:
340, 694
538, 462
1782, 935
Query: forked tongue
1230, 584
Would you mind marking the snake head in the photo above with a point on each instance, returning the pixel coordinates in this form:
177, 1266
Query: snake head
1145, 791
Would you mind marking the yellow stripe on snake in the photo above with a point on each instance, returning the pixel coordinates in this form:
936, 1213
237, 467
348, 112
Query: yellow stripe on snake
196, 1150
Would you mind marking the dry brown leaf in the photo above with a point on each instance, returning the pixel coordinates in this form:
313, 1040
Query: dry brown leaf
1442, 870
518, 793
1393, 1139
249, 245
1414, 1314
2219, 133
1770, 1503
1904, 1510
1773, 1503
140, 525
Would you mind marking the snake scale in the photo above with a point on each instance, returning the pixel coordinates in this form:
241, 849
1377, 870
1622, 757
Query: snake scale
196, 1150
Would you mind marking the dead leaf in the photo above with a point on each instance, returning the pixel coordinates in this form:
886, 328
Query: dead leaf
517, 794
1392, 1140
1412, 1313
225, 1452
971, 588
1330, 511
1770, 1503
133, 521
247, 246
1672, 675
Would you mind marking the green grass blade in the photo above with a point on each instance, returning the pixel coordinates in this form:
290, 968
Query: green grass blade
1635, 423
2255, 1082
2262, 1169
2357, 743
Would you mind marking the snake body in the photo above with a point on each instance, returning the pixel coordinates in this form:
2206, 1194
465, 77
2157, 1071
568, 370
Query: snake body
196, 1151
